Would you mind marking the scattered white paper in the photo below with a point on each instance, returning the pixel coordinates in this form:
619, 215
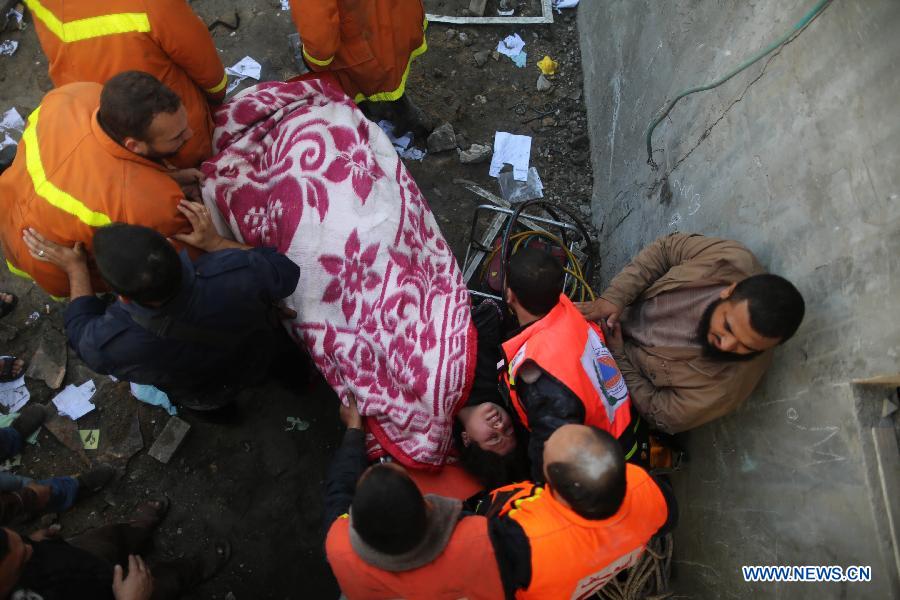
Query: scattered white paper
75, 400
558, 4
520, 59
513, 150
246, 67
413, 154
285, 5
15, 15
7, 141
233, 83
12, 120
13, 394
511, 46
8, 47
401, 142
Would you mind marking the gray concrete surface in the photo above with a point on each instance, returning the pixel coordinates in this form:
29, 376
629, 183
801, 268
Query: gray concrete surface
797, 157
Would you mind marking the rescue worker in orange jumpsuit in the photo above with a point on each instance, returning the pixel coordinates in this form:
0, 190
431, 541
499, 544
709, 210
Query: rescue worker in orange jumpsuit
556, 370
385, 540
93, 40
593, 518
368, 45
90, 156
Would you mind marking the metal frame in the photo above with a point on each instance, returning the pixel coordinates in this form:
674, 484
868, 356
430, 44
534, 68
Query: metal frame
545, 18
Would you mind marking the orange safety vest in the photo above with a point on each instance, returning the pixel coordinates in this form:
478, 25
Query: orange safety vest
93, 40
369, 45
466, 569
572, 350
69, 177
573, 557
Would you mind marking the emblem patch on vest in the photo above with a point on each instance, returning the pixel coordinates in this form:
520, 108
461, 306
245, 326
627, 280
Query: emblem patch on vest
600, 366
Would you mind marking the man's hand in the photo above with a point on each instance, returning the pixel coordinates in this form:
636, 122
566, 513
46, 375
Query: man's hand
189, 180
139, 583
613, 335
204, 235
48, 533
71, 260
600, 309
350, 414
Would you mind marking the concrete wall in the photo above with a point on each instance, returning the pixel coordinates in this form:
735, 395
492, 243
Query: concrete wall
798, 158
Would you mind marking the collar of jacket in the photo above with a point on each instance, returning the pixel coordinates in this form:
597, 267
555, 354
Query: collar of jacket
442, 519
179, 303
114, 149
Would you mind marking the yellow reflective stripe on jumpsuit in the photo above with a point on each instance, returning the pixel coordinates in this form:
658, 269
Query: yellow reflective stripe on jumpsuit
92, 27
45, 188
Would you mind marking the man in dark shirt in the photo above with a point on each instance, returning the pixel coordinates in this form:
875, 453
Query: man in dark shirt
195, 329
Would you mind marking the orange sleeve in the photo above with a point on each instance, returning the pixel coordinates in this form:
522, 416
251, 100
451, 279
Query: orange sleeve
319, 24
185, 38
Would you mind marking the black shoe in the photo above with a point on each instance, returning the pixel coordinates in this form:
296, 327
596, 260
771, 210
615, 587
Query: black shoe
94, 480
30, 419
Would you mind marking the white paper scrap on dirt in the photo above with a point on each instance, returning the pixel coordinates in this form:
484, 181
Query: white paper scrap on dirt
285, 5
13, 394
511, 46
233, 83
246, 67
558, 4
75, 400
513, 150
8, 47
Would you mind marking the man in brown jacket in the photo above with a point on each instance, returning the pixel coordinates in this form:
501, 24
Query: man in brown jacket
692, 322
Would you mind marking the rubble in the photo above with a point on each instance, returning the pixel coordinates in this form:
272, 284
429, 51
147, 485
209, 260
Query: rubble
543, 84
477, 153
442, 139
169, 440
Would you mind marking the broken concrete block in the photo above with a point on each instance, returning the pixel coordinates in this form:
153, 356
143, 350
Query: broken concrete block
49, 361
477, 153
169, 440
543, 84
442, 139
476, 7
481, 57
66, 431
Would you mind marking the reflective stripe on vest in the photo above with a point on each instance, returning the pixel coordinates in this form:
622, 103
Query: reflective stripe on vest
91, 27
220, 86
45, 188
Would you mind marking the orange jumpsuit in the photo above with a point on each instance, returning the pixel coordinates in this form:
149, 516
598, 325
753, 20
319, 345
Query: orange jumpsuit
70, 177
368, 44
93, 40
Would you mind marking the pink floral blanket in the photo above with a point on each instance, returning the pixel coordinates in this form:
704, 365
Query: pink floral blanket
382, 306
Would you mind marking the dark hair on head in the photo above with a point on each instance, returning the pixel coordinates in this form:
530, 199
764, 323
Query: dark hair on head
492, 470
130, 101
388, 510
593, 490
776, 306
536, 278
137, 262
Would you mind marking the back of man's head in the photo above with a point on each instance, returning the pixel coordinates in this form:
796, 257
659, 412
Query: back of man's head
388, 510
536, 278
130, 101
137, 262
776, 307
585, 466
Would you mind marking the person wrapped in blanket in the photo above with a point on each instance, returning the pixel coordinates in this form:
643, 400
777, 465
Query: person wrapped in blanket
554, 369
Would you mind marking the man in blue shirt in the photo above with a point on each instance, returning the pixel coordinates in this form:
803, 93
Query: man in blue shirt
198, 330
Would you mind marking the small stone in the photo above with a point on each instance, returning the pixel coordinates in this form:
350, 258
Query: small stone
543, 84
442, 139
495, 55
576, 94
548, 122
480, 99
466, 39
438, 74
585, 210
579, 142
476, 7
481, 57
477, 153
451, 33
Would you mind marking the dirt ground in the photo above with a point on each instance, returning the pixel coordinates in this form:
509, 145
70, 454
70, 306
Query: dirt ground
247, 479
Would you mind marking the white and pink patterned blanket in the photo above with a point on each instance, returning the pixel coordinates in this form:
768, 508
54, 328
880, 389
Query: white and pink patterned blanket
382, 306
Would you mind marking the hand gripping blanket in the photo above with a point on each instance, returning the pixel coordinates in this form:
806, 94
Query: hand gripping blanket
382, 306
